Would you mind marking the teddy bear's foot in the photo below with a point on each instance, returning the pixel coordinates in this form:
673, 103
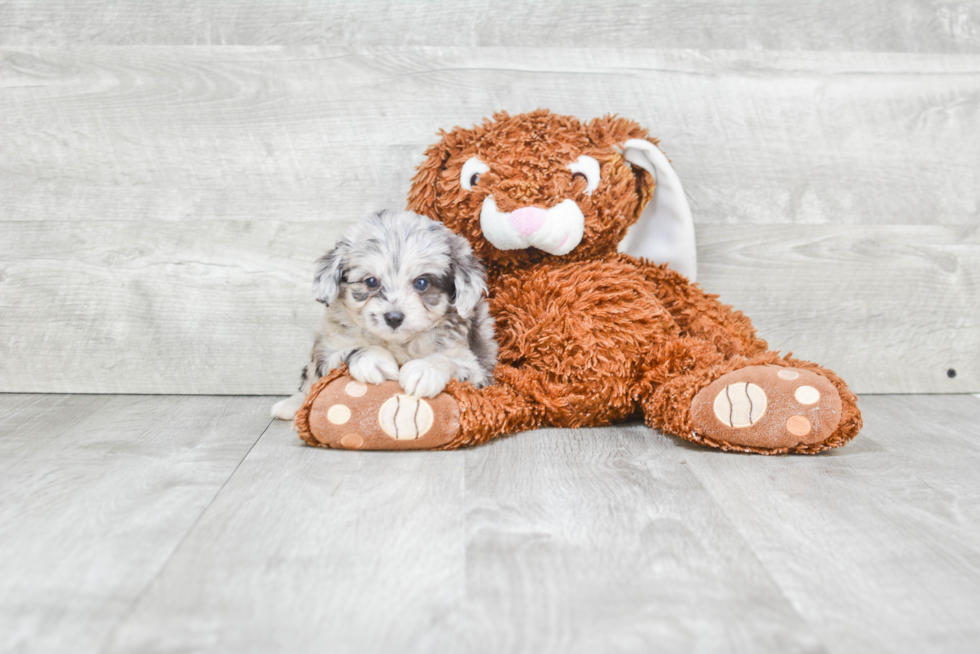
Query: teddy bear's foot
347, 414
767, 408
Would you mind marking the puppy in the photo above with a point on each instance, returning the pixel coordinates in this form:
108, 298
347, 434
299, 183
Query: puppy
404, 301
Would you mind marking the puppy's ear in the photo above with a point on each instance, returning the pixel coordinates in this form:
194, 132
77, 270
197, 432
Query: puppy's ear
469, 276
330, 269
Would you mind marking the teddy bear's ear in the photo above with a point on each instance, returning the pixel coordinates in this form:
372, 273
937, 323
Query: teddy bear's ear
664, 232
422, 195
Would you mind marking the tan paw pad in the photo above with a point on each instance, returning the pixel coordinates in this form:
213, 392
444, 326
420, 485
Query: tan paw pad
740, 405
404, 417
338, 414
355, 389
347, 414
798, 426
768, 407
806, 395
352, 441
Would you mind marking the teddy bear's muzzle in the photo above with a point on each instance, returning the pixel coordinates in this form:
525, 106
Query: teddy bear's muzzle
556, 230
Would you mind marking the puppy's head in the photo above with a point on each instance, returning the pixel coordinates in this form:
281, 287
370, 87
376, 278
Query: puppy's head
398, 274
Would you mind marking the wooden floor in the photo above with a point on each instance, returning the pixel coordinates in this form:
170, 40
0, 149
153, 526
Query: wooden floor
195, 524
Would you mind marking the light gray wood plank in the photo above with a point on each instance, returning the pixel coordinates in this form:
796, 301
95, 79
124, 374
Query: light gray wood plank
96, 493
909, 25
555, 541
891, 309
317, 133
615, 539
602, 540
310, 550
873, 541
198, 135
155, 307
943, 447
225, 307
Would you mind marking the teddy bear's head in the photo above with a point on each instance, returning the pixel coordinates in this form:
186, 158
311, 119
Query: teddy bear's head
535, 186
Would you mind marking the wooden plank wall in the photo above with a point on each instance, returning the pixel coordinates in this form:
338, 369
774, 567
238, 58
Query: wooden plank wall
170, 170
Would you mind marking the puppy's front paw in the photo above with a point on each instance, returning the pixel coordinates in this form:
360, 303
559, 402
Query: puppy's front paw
421, 378
286, 409
373, 366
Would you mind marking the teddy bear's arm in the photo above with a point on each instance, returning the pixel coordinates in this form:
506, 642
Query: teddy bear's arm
701, 315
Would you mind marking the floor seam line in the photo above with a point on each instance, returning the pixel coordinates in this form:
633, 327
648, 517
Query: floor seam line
733, 525
170, 557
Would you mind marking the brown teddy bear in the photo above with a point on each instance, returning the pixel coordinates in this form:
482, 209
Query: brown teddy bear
588, 335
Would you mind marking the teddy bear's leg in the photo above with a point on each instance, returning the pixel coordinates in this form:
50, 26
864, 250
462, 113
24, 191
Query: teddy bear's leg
765, 403
702, 316
340, 412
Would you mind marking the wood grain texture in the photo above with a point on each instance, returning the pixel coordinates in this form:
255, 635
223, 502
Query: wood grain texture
596, 540
226, 307
876, 542
96, 493
882, 25
146, 524
615, 539
221, 307
941, 450
550, 542
316, 133
170, 170
890, 309
311, 550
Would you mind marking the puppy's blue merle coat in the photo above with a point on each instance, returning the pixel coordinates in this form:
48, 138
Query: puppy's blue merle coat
404, 300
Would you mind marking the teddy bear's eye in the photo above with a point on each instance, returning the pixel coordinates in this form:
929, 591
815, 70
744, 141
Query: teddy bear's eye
587, 168
472, 170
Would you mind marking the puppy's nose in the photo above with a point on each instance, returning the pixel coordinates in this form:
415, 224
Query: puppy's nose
394, 318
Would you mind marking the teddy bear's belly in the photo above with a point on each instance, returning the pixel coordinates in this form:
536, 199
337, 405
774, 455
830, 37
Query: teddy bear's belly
579, 322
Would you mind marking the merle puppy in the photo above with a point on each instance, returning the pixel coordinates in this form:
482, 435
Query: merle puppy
404, 301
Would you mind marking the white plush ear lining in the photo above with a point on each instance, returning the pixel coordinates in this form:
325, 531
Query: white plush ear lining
664, 232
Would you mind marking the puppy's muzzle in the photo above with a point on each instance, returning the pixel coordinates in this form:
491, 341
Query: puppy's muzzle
556, 230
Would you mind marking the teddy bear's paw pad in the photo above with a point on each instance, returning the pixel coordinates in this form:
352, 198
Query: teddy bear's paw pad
354, 416
768, 407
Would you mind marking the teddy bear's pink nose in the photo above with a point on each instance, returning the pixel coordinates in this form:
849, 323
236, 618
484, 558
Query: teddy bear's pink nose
527, 220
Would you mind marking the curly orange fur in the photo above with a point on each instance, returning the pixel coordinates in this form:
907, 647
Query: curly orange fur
591, 337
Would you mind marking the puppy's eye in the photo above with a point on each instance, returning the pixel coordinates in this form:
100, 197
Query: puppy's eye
472, 170
421, 284
371, 282
586, 168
